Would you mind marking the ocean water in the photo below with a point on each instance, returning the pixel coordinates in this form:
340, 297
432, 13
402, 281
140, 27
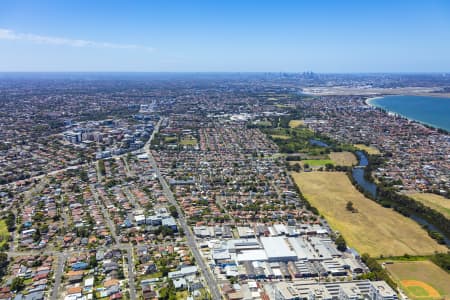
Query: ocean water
429, 110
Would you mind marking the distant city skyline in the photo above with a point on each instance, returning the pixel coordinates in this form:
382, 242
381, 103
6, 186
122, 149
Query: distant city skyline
230, 36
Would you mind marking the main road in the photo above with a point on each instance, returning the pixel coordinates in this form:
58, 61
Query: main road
209, 277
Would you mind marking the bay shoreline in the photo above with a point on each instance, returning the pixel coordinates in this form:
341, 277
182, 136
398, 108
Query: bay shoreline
371, 101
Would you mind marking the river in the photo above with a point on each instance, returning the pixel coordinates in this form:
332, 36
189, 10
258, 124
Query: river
358, 175
370, 187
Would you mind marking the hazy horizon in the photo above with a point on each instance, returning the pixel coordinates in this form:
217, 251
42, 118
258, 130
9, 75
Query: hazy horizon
229, 36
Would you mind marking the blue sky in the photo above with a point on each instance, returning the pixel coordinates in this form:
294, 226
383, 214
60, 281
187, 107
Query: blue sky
243, 36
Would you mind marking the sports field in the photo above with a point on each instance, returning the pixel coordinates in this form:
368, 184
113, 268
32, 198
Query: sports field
295, 123
421, 280
280, 136
436, 202
316, 162
373, 229
368, 149
188, 142
344, 158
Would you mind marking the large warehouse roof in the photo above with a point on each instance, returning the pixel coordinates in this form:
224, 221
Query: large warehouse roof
277, 248
252, 255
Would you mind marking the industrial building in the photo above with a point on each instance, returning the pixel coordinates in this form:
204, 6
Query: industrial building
278, 249
282, 257
311, 290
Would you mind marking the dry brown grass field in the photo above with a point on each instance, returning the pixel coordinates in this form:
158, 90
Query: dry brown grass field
436, 202
368, 149
295, 123
343, 158
373, 229
406, 272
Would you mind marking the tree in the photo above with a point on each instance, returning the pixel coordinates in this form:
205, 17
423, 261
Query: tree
297, 167
10, 221
120, 274
442, 260
376, 271
37, 235
38, 217
173, 211
340, 243
17, 284
349, 206
3, 259
168, 292
166, 231
83, 175
101, 167
93, 261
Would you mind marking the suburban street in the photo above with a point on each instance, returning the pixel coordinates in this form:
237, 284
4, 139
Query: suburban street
132, 286
63, 255
209, 277
111, 225
58, 274
128, 248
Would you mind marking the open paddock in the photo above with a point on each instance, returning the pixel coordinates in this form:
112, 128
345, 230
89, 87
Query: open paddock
436, 202
373, 229
369, 149
344, 158
296, 123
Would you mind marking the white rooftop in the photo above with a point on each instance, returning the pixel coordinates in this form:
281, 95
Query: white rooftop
252, 255
277, 247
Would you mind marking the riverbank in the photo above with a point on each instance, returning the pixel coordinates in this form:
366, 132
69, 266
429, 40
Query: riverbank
372, 228
404, 206
430, 219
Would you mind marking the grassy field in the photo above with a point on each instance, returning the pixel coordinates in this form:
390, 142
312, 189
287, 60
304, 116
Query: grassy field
295, 123
182, 295
316, 162
373, 229
4, 234
280, 136
188, 142
263, 123
152, 276
170, 139
368, 149
421, 279
343, 158
284, 105
436, 202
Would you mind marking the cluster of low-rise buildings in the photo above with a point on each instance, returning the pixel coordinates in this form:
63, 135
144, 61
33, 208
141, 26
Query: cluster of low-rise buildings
249, 223
364, 289
231, 175
93, 275
106, 225
417, 155
35, 273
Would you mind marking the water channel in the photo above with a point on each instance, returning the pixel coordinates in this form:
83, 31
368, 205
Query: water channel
370, 187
